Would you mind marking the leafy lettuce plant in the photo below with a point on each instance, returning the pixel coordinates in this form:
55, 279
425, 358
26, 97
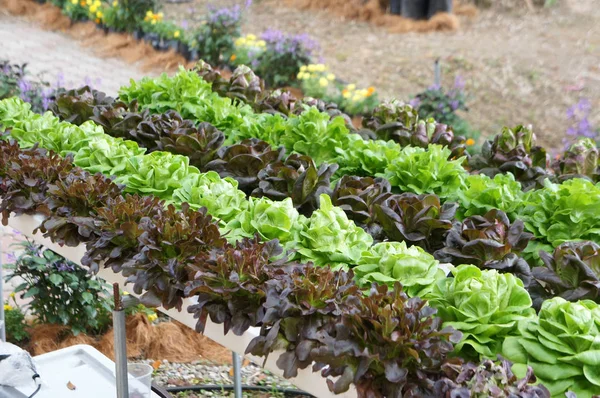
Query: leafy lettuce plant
77, 105
563, 212
488, 379
561, 346
158, 173
581, 160
571, 272
513, 151
419, 220
313, 134
482, 194
244, 161
489, 242
389, 262
108, 155
366, 158
428, 170
298, 178
358, 196
485, 305
219, 195
329, 237
270, 220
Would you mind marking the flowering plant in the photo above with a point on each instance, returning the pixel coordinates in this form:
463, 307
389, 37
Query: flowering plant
579, 123
317, 81
284, 54
247, 49
16, 328
14, 81
60, 291
215, 37
442, 105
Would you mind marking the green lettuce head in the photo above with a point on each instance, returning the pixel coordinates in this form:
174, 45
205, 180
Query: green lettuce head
391, 262
485, 305
428, 170
562, 347
270, 219
331, 238
219, 195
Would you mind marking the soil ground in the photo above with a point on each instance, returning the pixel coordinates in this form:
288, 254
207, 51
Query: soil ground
520, 67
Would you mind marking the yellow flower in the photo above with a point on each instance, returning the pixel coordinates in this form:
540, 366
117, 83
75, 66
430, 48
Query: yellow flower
12, 295
176, 34
470, 142
152, 317
323, 82
233, 57
312, 68
321, 68
74, 2
99, 14
261, 43
240, 42
97, 3
346, 93
160, 15
153, 22
149, 13
251, 37
93, 8
307, 76
303, 68
300, 75
88, 2
125, 293
331, 77
7, 307
351, 87
115, 3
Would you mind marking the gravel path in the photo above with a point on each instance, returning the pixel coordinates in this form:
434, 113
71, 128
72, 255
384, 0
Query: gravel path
58, 57
202, 373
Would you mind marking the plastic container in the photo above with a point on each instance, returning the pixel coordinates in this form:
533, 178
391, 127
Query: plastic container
414, 9
140, 380
436, 6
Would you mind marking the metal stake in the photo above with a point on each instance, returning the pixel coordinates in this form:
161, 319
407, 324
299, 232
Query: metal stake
437, 73
2, 319
120, 345
237, 375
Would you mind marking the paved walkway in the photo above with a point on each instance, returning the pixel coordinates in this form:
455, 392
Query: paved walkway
59, 57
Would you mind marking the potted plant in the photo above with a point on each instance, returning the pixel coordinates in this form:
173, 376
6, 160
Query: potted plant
436, 6
414, 9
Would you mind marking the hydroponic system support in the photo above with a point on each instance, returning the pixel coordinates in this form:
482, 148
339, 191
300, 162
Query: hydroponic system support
306, 380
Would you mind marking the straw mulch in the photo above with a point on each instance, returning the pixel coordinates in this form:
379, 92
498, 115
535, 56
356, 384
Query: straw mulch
373, 11
172, 341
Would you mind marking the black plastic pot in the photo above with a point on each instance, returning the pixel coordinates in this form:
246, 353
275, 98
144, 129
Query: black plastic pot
193, 55
436, 6
185, 50
171, 45
414, 9
138, 34
153, 39
396, 6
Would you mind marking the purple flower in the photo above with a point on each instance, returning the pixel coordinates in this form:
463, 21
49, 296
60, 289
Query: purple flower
11, 258
454, 105
60, 80
459, 82
65, 267
580, 126
184, 24
248, 3
415, 102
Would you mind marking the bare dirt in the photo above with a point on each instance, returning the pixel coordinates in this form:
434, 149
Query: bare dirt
520, 66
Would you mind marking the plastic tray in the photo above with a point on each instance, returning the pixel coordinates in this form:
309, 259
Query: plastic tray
86, 368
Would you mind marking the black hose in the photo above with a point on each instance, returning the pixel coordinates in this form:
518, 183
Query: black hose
214, 387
